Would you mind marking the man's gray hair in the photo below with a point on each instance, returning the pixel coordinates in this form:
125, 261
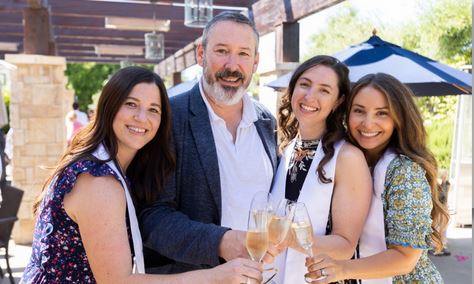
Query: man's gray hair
229, 16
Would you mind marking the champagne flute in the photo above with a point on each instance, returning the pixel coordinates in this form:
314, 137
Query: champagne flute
280, 222
260, 214
303, 231
257, 233
302, 228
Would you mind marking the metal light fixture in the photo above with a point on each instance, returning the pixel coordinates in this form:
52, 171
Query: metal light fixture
197, 13
154, 46
154, 43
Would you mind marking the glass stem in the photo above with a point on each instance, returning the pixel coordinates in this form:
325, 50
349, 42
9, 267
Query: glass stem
310, 251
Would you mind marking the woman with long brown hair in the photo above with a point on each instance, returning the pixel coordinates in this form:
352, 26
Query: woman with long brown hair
312, 133
87, 229
406, 218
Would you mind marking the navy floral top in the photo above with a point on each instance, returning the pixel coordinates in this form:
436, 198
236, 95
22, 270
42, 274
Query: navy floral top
407, 209
58, 253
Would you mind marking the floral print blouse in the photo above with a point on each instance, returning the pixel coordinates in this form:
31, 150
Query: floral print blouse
58, 254
407, 210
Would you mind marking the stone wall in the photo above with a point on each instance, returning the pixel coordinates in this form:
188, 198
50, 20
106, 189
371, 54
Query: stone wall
38, 105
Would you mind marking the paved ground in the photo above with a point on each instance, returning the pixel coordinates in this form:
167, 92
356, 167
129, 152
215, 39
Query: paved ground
455, 269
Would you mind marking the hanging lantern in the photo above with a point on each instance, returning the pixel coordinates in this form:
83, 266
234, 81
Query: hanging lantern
154, 46
197, 13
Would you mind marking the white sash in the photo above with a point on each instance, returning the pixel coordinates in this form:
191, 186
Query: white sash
372, 239
138, 261
317, 197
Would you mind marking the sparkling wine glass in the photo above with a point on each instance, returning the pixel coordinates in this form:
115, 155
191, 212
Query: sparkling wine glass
257, 233
260, 214
303, 231
280, 221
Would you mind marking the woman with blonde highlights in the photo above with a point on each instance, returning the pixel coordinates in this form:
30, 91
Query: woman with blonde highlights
406, 218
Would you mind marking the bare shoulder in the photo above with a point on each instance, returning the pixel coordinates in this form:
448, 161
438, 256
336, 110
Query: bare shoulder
98, 186
352, 168
92, 195
350, 154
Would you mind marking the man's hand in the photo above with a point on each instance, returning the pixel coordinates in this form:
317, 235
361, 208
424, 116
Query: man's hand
233, 245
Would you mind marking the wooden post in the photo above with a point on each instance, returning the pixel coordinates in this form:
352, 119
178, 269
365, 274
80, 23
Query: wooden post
288, 42
36, 35
176, 78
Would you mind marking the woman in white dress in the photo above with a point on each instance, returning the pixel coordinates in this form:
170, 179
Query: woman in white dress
312, 133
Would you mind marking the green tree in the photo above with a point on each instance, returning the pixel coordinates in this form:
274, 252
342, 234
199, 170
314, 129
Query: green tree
443, 31
87, 79
342, 30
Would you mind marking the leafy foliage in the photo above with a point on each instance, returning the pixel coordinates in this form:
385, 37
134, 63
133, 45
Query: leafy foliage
439, 115
440, 140
87, 79
445, 31
342, 30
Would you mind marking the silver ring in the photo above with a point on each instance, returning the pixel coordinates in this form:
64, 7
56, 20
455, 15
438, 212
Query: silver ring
323, 273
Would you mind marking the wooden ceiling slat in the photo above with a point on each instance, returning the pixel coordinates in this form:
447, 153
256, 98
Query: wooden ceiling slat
110, 33
11, 18
11, 30
11, 38
89, 41
13, 5
115, 60
104, 9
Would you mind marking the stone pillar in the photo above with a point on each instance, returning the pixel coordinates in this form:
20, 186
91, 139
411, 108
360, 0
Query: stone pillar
38, 105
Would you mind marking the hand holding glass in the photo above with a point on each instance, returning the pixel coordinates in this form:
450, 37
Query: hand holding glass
303, 231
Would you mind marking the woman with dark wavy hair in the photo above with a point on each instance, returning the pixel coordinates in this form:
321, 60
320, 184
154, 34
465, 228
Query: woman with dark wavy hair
312, 134
406, 218
87, 229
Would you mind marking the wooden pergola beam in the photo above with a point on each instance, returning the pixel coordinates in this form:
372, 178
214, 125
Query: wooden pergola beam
37, 31
269, 14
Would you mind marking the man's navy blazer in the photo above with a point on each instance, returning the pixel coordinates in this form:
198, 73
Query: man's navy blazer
181, 230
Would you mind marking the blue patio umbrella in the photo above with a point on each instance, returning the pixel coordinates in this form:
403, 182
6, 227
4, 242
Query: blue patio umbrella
426, 77
181, 87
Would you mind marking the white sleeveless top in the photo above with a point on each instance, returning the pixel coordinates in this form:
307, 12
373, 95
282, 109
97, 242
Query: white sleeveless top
317, 197
138, 261
372, 239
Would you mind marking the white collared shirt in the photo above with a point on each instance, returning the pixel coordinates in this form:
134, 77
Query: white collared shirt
244, 166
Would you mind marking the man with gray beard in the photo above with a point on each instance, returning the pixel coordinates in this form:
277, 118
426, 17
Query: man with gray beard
226, 151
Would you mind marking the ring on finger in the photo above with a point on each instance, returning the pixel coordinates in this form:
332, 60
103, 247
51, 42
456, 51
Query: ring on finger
323, 272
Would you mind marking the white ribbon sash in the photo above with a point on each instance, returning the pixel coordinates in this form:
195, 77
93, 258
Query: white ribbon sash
139, 263
372, 240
